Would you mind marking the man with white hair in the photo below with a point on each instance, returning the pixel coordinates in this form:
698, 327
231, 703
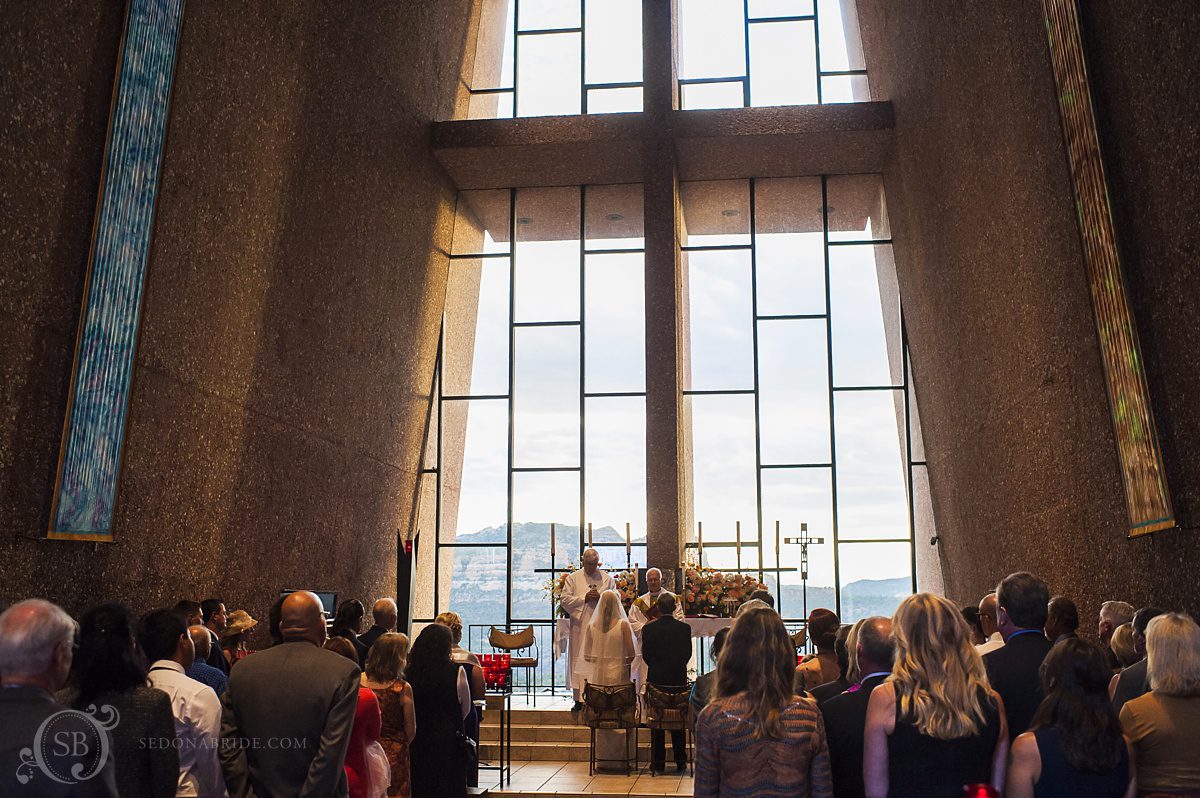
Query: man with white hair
385, 614
580, 594
37, 642
1112, 615
645, 608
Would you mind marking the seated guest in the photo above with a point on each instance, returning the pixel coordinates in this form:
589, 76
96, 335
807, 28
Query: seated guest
1112, 615
1134, 680
346, 623
385, 615
398, 720
992, 639
233, 639
441, 699
295, 691
200, 670
36, 643
109, 669
706, 683
1163, 726
364, 731
978, 638
846, 714
817, 669
666, 649
823, 692
1121, 646
164, 638
1014, 670
1062, 619
935, 724
212, 613
755, 737
1074, 746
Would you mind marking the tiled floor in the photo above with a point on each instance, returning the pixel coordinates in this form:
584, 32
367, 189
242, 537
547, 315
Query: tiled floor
564, 779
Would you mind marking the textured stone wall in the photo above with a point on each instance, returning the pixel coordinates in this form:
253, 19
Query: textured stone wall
1022, 461
291, 309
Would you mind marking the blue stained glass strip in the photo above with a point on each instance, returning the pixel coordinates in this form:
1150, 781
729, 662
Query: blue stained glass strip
90, 458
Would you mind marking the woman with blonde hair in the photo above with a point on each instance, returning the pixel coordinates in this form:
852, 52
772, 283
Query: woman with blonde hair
1122, 647
935, 725
382, 673
757, 737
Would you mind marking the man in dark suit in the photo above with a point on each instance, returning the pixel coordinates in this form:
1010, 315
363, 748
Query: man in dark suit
287, 712
1134, 681
386, 614
846, 714
667, 648
1013, 669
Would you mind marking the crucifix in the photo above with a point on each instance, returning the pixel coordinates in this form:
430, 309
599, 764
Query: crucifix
804, 540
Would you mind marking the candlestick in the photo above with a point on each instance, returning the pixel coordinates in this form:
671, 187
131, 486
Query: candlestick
551, 538
700, 542
738, 526
589, 534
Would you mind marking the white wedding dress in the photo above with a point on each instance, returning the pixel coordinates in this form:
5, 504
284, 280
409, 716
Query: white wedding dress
606, 661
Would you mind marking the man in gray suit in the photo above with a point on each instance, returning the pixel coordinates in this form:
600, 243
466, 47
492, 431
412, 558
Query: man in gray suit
287, 712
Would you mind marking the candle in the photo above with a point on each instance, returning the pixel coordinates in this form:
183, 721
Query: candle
628, 541
700, 540
739, 547
589, 534
552, 539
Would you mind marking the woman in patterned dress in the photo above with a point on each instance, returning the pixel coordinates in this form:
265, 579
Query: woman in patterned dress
385, 662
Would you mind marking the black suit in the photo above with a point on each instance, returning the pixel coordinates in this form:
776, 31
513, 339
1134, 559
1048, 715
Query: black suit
23, 710
369, 637
1013, 670
830, 689
667, 648
1134, 682
845, 722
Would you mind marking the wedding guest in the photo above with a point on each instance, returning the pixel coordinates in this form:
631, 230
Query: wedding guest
274, 616
233, 638
1074, 746
385, 615
200, 670
764, 596
1062, 619
824, 692
109, 670
971, 614
935, 724
346, 623
1163, 726
756, 737
706, 683
817, 669
992, 639
163, 636
213, 616
295, 692
441, 699
1134, 680
1112, 615
666, 649
470, 665
846, 714
1014, 669
398, 728
192, 612
36, 643
1121, 646
365, 729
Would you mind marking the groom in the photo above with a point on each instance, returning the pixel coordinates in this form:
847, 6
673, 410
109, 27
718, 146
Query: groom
580, 594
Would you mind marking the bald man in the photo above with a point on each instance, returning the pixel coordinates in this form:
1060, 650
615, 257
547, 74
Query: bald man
385, 614
200, 670
287, 712
988, 607
580, 594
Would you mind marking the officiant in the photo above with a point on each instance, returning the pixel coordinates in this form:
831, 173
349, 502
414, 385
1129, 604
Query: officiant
580, 594
645, 608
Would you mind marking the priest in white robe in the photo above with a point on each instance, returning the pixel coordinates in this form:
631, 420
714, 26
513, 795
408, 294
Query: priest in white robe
580, 594
645, 608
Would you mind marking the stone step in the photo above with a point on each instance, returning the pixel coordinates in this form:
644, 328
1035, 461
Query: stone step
574, 749
528, 733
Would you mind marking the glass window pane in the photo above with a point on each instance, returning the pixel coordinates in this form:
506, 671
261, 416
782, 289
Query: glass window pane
549, 76
493, 64
865, 317
614, 217
547, 14
540, 499
546, 282
615, 467
546, 397
711, 39
872, 475
841, 46
715, 212
615, 331
857, 209
698, 96
845, 89
493, 105
720, 319
799, 596
481, 222
478, 584
875, 578
790, 497
760, 9
474, 470
789, 246
614, 101
614, 42
475, 332
793, 391
723, 467
783, 64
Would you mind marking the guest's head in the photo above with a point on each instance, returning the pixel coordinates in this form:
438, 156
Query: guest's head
36, 644
1122, 646
758, 659
752, 604
430, 651
1141, 621
654, 580
1062, 618
840, 649
764, 596
718, 643
1075, 676
823, 628
237, 627
1173, 655
971, 614
348, 618
342, 646
163, 634
385, 613
1112, 615
1022, 600
938, 675
847, 651
666, 604
875, 648
201, 641
301, 617
108, 658
453, 622
212, 611
987, 615
191, 611
387, 658
274, 616
590, 560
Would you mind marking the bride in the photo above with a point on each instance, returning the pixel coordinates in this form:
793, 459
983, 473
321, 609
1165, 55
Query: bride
608, 650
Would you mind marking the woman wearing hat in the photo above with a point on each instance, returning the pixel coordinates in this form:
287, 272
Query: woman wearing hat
822, 667
233, 638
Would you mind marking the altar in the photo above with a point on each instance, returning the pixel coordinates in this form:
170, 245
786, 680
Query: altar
700, 626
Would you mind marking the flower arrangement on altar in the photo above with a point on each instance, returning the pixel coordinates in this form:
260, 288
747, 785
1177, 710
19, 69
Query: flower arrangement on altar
708, 591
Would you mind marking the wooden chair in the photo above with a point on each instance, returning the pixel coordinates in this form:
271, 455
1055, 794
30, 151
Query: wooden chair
612, 707
522, 647
669, 709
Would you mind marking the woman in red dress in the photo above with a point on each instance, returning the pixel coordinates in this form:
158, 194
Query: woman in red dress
385, 663
365, 729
